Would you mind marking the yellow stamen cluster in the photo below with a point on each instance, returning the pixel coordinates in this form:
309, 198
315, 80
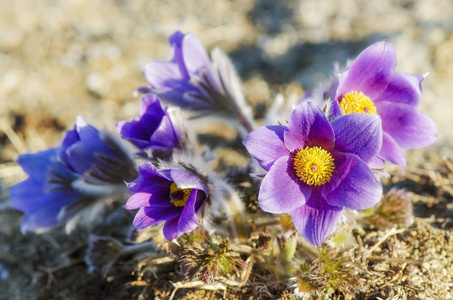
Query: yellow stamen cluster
179, 196
314, 165
354, 102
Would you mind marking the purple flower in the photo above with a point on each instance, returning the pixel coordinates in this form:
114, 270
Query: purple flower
171, 195
316, 168
45, 192
371, 86
152, 128
97, 155
64, 181
191, 81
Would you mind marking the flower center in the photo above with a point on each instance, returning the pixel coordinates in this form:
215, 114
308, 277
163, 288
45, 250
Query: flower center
354, 102
314, 165
178, 196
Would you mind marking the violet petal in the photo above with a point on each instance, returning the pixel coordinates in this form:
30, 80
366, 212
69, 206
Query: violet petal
316, 219
266, 145
392, 152
408, 126
403, 88
188, 220
142, 220
359, 134
308, 127
281, 191
370, 72
352, 184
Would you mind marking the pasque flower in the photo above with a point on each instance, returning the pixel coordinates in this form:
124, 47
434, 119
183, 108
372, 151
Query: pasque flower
45, 192
64, 181
96, 155
173, 196
194, 82
152, 128
316, 168
371, 86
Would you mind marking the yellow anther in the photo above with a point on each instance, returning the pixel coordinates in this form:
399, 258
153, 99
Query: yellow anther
354, 102
179, 196
314, 165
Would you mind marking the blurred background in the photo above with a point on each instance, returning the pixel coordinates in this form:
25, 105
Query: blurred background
63, 58
60, 59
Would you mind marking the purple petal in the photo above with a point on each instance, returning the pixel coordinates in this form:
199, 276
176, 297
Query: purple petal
142, 220
28, 196
370, 72
189, 219
409, 127
185, 179
70, 138
40, 220
36, 164
163, 213
308, 126
392, 152
266, 145
176, 43
85, 130
377, 163
151, 105
171, 229
160, 74
316, 219
360, 134
143, 182
281, 191
165, 135
352, 184
154, 195
403, 88
195, 55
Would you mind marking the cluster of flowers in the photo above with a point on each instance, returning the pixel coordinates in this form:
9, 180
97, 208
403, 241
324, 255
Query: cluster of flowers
324, 160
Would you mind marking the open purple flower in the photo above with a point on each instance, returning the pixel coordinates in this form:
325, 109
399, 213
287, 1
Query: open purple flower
371, 86
45, 192
96, 155
316, 168
194, 82
173, 196
152, 128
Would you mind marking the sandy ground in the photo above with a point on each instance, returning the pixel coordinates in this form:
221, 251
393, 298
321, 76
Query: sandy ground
64, 58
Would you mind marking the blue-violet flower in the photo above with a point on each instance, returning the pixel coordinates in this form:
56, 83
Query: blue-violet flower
64, 181
97, 155
46, 191
171, 195
316, 168
151, 129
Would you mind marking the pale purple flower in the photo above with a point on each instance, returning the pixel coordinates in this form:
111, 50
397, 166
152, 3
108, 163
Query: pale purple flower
173, 196
151, 129
46, 191
194, 82
316, 168
371, 85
